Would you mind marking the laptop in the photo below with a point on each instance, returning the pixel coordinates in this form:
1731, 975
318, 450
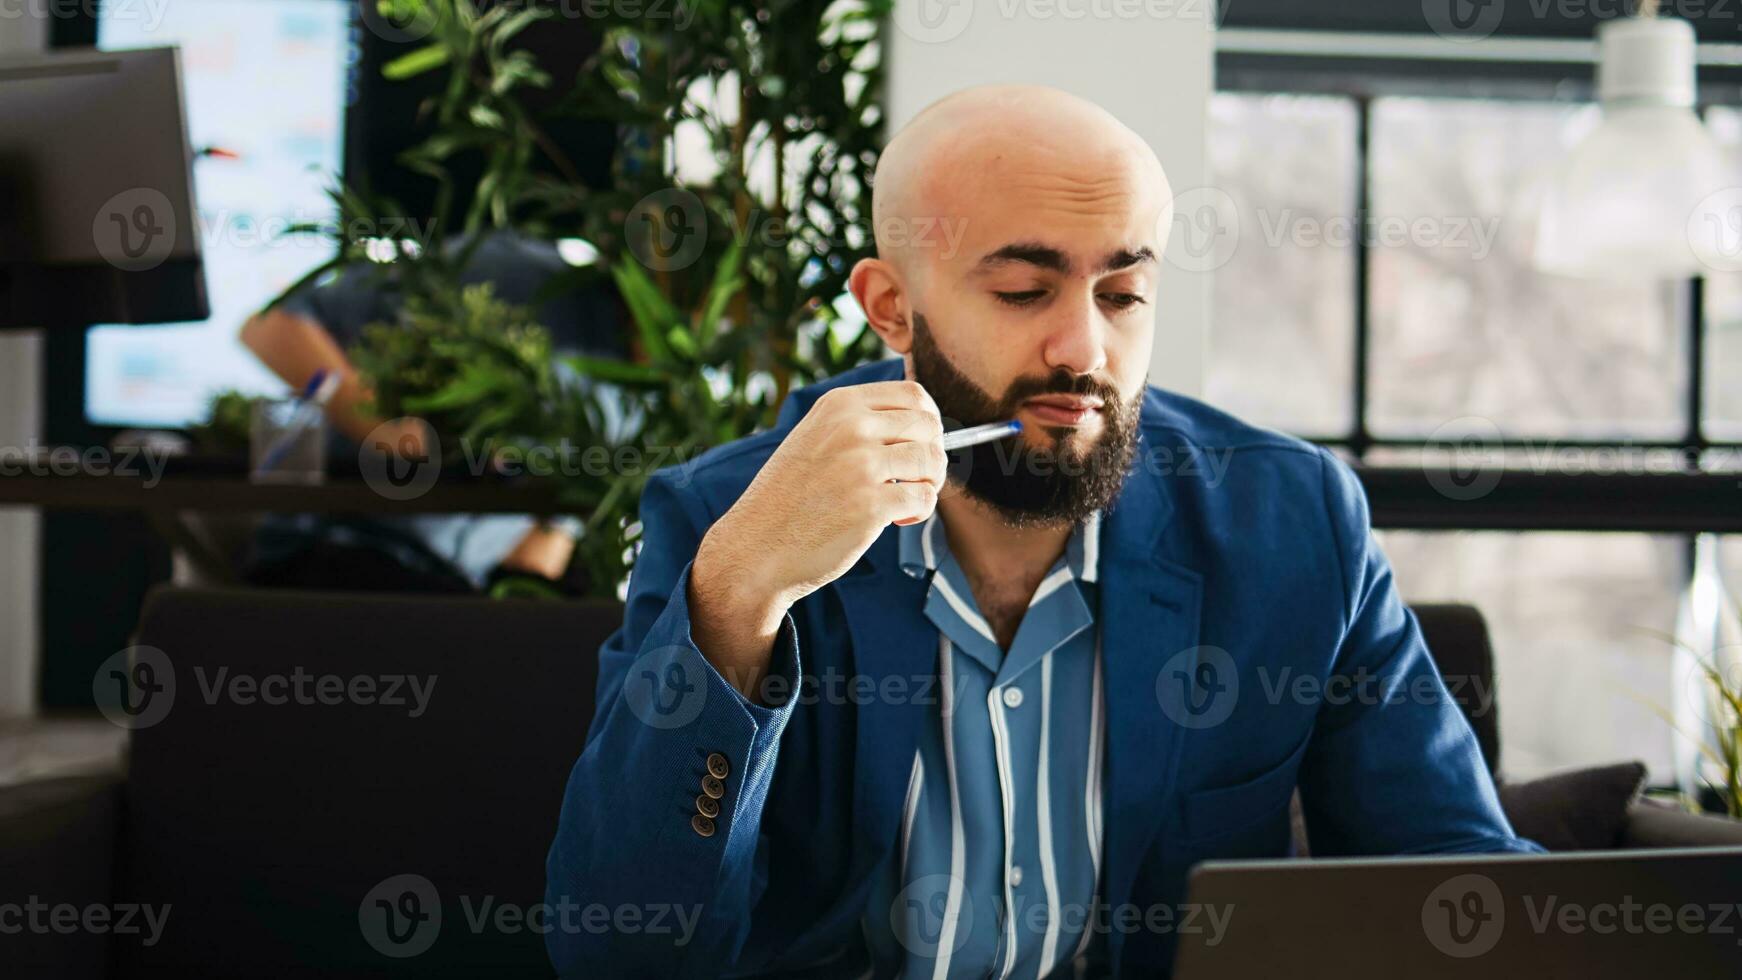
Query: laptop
1592, 915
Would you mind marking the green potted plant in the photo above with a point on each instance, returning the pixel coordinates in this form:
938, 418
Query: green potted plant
720, 336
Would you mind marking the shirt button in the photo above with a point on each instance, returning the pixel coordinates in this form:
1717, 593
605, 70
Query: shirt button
702, 825
1013, 697
718, 767
1016, 876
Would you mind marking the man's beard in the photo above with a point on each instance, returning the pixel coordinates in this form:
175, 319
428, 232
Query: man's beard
1029, 487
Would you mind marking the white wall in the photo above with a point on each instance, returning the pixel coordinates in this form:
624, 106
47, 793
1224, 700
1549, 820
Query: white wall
20, 421
1148, 62
23, 27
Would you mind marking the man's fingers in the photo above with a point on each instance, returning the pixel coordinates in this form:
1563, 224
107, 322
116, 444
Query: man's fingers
905, 425
909, 503
915, 462
884, 395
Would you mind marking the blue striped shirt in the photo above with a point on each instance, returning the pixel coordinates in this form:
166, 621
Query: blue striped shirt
1000, 850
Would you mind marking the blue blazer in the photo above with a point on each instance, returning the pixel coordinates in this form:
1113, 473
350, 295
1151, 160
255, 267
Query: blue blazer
1253, 640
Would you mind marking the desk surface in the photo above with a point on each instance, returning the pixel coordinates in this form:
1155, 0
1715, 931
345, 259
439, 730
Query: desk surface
1401, 497
236, 494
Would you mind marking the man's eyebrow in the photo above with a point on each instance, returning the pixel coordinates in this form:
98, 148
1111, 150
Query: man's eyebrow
1054, 260
1033, 253
1125, 258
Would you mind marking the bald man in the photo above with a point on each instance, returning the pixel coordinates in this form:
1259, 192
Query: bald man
881, 709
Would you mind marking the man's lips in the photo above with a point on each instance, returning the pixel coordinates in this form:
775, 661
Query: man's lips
1063, 409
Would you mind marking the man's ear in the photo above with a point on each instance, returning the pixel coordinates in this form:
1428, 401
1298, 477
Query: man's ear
882, 294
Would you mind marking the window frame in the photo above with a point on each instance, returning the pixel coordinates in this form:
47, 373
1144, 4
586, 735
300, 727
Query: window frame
1404, 497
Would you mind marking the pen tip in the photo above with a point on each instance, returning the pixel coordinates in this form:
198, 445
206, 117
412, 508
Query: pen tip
1016, 425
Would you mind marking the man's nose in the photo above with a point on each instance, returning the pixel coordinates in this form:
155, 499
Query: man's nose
1075, 340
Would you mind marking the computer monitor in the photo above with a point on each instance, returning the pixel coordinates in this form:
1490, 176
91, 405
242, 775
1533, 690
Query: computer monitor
99, 222
267, 83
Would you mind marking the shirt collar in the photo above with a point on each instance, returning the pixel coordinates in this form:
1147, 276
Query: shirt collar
922, 545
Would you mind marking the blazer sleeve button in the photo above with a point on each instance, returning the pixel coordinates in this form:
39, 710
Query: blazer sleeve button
718, 767
713, 787
702, 825
707, 806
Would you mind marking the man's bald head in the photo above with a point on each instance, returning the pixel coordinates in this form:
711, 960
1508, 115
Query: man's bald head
1019, 238
999, 146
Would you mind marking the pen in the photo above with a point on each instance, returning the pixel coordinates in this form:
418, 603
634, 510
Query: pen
308, 412
974, 435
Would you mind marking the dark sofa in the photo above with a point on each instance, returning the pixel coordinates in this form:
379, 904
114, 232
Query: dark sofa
269, 830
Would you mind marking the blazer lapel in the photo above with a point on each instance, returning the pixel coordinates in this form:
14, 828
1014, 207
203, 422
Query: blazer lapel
1149, 614
892, 639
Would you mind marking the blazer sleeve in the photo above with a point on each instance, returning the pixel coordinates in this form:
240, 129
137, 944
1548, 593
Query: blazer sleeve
1394, 767
634, 889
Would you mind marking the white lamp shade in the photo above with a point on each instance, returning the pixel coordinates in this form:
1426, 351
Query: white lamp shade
1631, 201
1642, 196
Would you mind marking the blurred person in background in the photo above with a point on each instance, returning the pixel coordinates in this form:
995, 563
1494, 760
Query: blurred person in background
310, 331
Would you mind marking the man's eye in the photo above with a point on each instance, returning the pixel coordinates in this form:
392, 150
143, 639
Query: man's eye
1124, 300
1020, 299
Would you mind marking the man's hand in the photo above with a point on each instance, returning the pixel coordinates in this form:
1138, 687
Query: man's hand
545, 550
816, 506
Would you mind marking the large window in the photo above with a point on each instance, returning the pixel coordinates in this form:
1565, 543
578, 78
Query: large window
1281, 353
1380, 300
1723, 314
1462, 326
1581, 678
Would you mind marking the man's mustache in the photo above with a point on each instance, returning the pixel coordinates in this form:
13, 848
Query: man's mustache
1059, 383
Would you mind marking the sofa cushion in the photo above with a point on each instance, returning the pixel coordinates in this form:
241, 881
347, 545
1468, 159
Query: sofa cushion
1581, 810
327, 756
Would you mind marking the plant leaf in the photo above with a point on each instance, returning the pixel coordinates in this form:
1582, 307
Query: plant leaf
415, 63
617, 372
681, 342
649, 308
